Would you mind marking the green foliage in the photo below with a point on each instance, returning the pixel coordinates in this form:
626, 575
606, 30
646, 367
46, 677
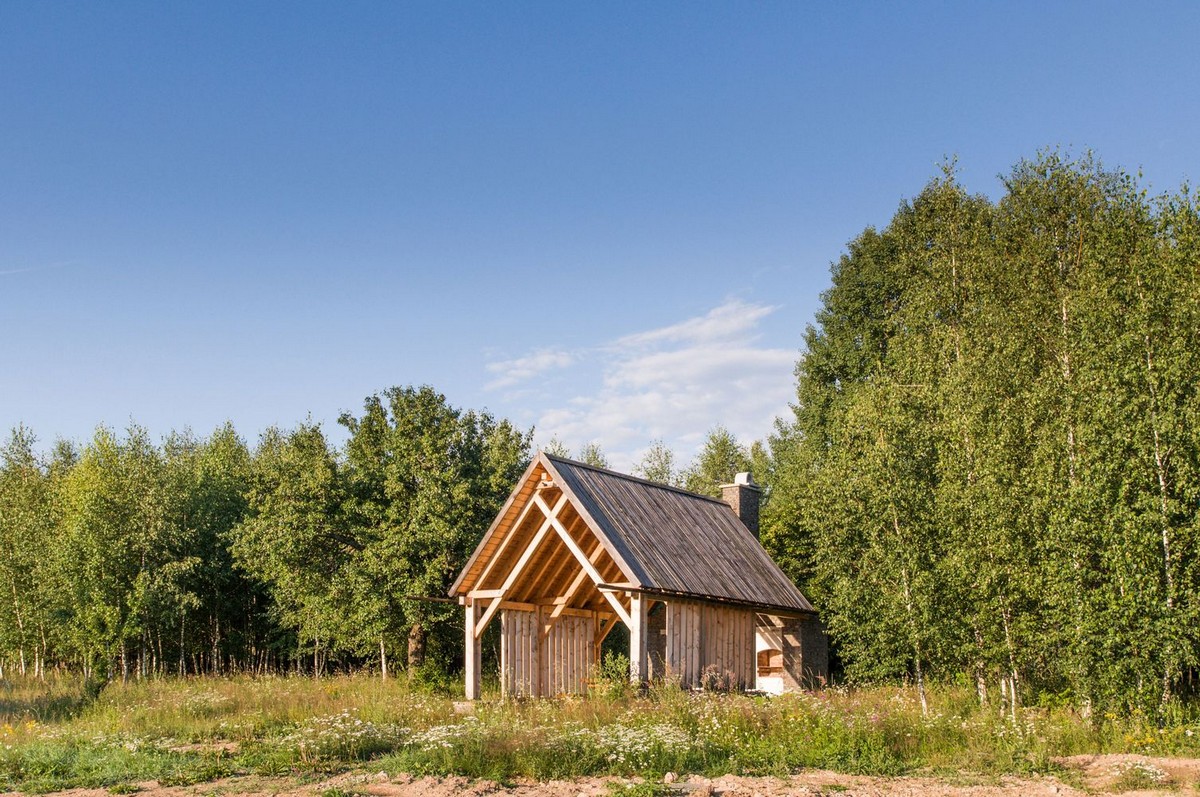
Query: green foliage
721, 458
610, 679
127, 558
992, 471
557, 448
296, 538
589, 453
182, 731
349, 546
26, 532
658, 465
592, 454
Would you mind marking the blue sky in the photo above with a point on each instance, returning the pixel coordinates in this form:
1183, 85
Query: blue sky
611, 220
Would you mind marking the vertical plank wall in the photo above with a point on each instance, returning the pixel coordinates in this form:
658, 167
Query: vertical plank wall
543, 666
570, 654
700, 635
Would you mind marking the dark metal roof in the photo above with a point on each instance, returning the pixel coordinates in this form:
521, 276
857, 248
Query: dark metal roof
676, 542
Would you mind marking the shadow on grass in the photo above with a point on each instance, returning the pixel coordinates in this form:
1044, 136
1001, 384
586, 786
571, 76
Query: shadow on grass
52, 701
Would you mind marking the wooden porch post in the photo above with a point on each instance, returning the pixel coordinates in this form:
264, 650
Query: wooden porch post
538, 686
474, 650
638, 655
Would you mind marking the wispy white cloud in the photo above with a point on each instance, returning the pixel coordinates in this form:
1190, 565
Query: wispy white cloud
672, 383
27, 269
512, 372
728, 321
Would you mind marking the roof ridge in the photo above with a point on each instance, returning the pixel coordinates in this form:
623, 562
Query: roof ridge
629, 477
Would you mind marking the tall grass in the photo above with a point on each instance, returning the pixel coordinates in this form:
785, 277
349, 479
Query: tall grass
193, 730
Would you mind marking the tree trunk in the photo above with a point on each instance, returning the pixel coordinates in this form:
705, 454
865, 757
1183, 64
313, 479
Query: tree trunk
912, 623
981, 686
20, 627
216, 644
382, 659
416, 649
1161, 455
920, 682
43, 650
1012, 665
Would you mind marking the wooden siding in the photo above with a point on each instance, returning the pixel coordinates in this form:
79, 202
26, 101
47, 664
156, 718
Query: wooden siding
533, 664
704, 635
570, 655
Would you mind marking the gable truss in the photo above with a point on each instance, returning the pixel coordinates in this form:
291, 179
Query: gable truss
550, 557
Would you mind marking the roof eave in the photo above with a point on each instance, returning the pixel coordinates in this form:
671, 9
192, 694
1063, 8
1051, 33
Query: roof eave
455, 588
766, 608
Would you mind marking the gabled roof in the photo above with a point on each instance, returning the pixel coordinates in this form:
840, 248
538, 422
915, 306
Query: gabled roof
664, 540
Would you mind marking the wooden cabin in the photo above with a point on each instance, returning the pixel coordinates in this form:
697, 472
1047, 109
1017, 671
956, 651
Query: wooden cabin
578, 549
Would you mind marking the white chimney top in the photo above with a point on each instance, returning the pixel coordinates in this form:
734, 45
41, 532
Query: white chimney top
744, 478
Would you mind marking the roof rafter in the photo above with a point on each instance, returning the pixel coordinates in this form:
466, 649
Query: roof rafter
526, 555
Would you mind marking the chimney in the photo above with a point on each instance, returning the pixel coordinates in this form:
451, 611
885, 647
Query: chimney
743, 495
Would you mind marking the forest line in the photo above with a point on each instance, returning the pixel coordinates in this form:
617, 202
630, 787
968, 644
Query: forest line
992, 474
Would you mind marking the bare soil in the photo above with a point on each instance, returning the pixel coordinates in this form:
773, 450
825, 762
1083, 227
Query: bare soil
1082, 775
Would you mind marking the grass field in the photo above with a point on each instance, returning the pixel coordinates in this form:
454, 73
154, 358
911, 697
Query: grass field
62, 734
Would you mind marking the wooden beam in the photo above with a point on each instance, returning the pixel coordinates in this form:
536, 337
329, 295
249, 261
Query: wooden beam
523, 485
708, 600
512, 533
639, 654
484, 593
560, 576
577, 552
601, 634
533, 607
474, 651
532, 586
580, 578
610, 623
561, 602
526, 555
591, 523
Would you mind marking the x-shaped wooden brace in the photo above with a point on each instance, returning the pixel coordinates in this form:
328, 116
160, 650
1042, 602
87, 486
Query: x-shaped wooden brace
526, 555
580, 556
551, 521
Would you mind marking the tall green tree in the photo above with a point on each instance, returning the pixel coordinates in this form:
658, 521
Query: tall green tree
26, 533
298, 538
721, 458
425, 481
1016, 380
114, 564
658, 464
217, 604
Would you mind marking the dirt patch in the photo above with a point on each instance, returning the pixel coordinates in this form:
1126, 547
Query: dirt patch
1136, 775
206, 747
1091, 775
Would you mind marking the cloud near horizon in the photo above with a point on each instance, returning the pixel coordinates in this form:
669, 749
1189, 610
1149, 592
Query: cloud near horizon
673, 383
513, 372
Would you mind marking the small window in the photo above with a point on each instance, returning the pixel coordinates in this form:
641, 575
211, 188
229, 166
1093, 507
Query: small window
770, 662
